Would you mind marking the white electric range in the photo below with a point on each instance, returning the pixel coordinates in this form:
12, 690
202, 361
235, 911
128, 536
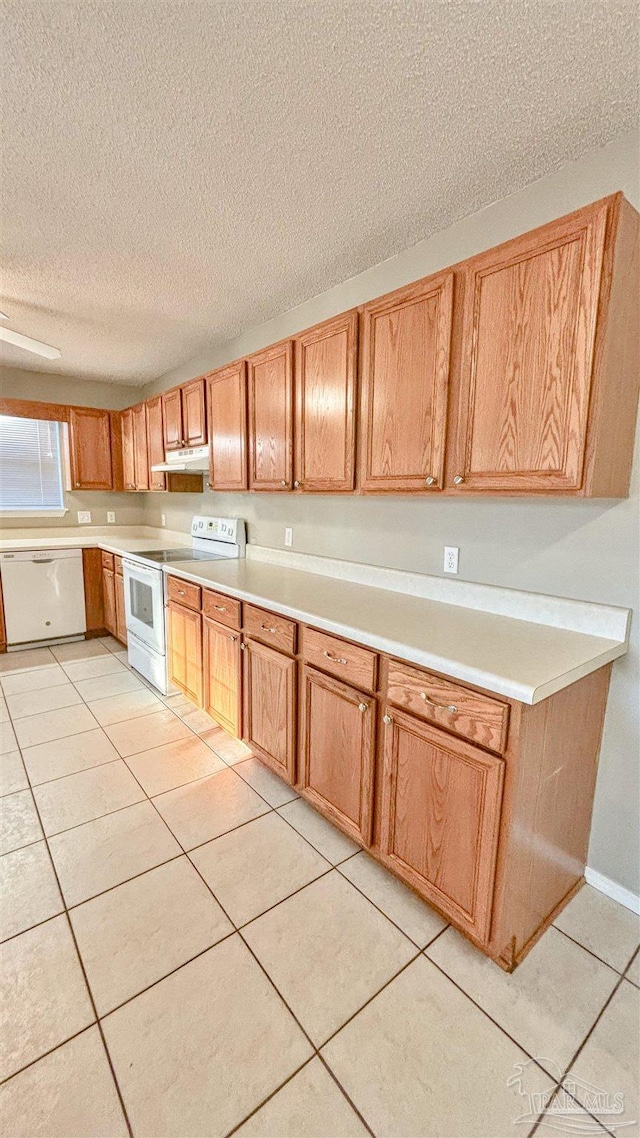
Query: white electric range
212, 539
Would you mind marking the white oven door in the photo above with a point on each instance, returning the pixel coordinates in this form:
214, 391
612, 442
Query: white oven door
143, 603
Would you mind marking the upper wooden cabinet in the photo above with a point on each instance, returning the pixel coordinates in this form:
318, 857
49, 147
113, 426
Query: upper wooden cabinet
548, 384
194, 414
405, 379
227, 419
155, 442
184, 416
270, 394
128, 450
325, 384
141, 453
90, 449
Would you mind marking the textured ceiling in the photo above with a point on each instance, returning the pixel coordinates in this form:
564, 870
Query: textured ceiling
176, 172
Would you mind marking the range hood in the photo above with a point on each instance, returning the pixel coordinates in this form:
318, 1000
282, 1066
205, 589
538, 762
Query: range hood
192, 459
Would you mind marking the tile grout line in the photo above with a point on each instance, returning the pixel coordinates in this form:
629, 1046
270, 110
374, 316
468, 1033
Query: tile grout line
595, 956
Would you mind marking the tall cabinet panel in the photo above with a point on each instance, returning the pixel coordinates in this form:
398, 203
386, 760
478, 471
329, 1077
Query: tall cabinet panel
325, 383
270, 388
405, 379
194, 414
222, 675
155, 442
269, 707
141, 453
530, 311
90, 448
227, 418
172, 419
128, 450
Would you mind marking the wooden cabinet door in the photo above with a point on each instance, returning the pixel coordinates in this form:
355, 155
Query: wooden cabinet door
109, 601
194, 414
269, 707
93, 602
155, 442
441, 800
90, 449
222, 675
141, 453
325, 384
405, 380
128, 450
121, 615
227, 418
172, 419
185, 650
530, 309
337, 752
270, 393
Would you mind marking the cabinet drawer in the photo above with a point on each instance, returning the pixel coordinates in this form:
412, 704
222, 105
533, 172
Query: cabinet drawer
340, 657
117, 564
271, 629
184, 593
107, 560
447, 704
226, 610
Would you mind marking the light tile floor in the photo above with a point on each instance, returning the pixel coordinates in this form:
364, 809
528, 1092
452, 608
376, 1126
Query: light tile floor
189, 949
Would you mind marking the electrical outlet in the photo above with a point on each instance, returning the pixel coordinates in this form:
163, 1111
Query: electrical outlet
111, 517
451, 553
84, 517
162, 520
288, 536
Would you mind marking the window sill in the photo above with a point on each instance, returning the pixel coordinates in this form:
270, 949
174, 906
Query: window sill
6, 515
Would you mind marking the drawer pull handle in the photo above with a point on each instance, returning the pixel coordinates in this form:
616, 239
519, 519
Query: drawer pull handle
443, 706
183, 592
220, 608
268, 628
363, 707
335, 659
233, 638
387, 719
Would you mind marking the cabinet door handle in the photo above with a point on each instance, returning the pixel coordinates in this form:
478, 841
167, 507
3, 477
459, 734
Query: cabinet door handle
220, 608
233, 638
387, 719
458, 479
296, 483
243, 647
336, 659
268, 628
363, 707
431, 481
183, 592
284, 482
432, 703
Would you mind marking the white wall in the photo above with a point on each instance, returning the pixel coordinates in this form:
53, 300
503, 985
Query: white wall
583, 549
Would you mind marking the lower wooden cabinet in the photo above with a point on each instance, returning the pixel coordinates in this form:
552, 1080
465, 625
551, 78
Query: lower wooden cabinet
184, 650
337, 752
222, 675
109, 601
441, 801
270, 707
121, 615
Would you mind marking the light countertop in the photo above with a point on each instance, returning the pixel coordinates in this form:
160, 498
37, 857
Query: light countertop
520, 659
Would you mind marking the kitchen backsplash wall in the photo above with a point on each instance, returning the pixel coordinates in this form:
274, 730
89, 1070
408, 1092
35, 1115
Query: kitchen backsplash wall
129, 510
47, 387
582, 549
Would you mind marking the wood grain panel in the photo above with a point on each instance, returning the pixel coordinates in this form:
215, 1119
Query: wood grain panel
115, 430
3, 627
227, 419
140, 449
325, 383
194, 413
90, 448
441, 803
226, 610
155, 442
32, 409
223, 676
106, 560
270, 398
185, 650
184, 593
128, 450
271, 629
342, 658
109, 600
269, 679
337, 741
405, 379
446, 704
172, 419
528, 337
93, 601
121, 615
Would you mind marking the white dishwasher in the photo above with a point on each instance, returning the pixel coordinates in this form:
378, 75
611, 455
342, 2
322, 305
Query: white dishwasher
43, 593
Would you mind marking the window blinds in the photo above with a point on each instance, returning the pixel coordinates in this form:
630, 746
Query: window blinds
30, 465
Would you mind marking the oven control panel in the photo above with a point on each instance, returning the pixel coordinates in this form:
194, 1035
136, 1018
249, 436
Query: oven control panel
219, 529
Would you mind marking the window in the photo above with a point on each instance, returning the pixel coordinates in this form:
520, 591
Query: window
30, 466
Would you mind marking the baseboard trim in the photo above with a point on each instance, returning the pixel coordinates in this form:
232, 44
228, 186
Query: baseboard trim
612, 889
